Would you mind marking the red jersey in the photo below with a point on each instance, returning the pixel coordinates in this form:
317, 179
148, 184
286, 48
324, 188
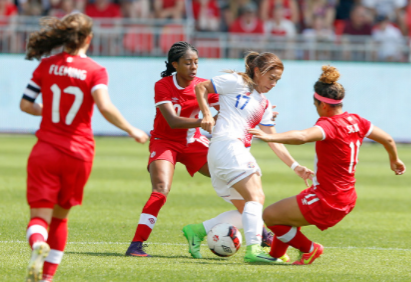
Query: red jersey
337, 156
111, 11
66, 83
185, 104
255, 27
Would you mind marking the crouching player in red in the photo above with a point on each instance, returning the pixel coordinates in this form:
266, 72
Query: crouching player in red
60, 162
338, 136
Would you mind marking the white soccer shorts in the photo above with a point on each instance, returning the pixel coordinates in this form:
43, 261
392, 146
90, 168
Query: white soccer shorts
229, 162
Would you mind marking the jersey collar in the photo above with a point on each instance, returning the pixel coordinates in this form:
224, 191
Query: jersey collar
176, 84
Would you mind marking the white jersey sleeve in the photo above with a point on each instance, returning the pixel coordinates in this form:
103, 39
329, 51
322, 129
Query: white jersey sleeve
226, 83
267, 116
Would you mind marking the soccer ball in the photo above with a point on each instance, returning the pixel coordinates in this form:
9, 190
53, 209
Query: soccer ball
224, 239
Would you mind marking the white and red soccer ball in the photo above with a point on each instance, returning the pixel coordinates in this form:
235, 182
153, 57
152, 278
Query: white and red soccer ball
224, 239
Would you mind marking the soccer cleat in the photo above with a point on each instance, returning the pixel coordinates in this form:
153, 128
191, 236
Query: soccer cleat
194, 234
309, 258
136, 249
267, 239
255, 254
38, 255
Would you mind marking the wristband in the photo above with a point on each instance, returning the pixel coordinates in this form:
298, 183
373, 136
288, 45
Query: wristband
294, 165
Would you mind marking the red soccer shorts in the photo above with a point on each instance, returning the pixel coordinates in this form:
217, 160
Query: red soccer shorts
318, 212
54, 177
193, 156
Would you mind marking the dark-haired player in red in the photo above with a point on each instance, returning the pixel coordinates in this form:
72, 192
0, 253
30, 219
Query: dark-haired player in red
176, 136
338, 136
60, 162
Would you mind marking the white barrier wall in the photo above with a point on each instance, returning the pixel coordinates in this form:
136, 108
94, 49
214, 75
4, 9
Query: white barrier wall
378, 92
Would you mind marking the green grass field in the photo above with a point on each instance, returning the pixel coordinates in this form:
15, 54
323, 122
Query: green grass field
372, 244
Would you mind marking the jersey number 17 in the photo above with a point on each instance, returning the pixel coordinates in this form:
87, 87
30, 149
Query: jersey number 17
78, 100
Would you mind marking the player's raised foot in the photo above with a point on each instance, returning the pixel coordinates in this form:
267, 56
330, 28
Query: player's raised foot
194, 234
136, 249
256, 254
267, 239
38, 255
309, 258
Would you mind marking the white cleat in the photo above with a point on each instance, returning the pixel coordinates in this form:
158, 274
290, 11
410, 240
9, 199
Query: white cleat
38, 255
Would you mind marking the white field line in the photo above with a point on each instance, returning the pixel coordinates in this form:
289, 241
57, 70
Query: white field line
174, 244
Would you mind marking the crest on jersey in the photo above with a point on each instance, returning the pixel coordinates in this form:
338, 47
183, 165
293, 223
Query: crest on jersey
251, 165
69, 59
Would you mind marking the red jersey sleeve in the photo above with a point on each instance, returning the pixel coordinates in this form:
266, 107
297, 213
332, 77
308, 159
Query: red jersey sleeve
99, 79
161, 94
213, 100
327, 128
366, 127
33, 88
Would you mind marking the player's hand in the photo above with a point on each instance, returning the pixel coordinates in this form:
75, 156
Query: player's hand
304, 173
139, 135
275, 114
398, 167
260, 134
208, 123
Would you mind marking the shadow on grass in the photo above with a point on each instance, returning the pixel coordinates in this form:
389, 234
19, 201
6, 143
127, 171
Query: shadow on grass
96, 254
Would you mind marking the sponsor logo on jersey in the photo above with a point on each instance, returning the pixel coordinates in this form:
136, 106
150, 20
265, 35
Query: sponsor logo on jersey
251, 165
174, 99
153, 154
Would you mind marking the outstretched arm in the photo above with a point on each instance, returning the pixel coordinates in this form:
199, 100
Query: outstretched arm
281, 151
113, 115
202, 90
293, 137
382, 137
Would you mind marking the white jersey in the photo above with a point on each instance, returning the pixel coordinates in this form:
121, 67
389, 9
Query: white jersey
240, 110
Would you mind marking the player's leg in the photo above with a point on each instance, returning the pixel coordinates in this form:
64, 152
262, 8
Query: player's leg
285, 218
57, 241
161, 173
250, 189
42, 191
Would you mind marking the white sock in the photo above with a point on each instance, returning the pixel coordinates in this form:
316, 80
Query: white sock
252, 222
232, 217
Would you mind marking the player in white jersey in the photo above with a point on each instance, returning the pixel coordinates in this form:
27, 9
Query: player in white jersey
235, 174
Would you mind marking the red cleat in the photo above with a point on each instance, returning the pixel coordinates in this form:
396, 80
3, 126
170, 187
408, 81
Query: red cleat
309, 258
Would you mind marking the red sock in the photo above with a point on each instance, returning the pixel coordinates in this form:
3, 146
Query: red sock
292, 236
148, 216
279, 248
37, 230
57, 242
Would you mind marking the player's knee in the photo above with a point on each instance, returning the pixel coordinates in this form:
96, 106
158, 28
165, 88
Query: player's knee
267, 217
162, 188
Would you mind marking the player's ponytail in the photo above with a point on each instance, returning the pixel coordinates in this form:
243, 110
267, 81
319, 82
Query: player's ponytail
174, 54
328, 87
70, 32
264, 62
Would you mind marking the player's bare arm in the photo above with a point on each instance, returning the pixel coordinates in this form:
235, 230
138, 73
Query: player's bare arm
31, 108
202, 90
293, 137
283, 154
174, 121
382, 137
113, 115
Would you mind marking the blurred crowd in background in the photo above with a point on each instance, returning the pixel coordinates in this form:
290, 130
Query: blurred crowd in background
383, 20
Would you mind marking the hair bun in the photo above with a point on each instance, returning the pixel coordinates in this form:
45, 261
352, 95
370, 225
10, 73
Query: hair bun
330, 75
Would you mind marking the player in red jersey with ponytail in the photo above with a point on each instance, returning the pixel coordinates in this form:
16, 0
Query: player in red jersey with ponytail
60, 162
338, 136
